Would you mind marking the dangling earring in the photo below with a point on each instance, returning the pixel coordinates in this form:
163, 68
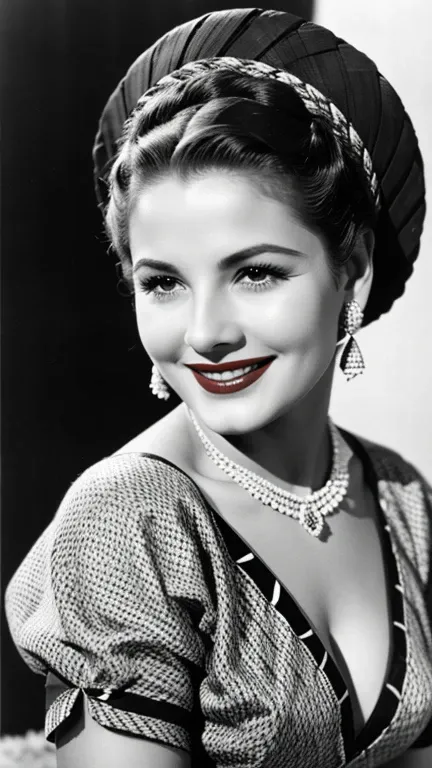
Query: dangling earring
351, 362
158, 385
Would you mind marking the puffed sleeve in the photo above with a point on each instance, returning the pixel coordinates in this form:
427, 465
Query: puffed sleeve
410, 495
111, 600
425, 739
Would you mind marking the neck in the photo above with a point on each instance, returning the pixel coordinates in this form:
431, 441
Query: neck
294, 450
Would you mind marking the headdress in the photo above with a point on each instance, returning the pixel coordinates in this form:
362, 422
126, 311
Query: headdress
332, 78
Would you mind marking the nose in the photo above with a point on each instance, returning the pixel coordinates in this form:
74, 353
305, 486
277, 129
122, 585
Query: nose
213, 326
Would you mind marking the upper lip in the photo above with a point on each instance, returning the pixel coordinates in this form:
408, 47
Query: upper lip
231, 366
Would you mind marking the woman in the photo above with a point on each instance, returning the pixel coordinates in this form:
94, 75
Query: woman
244, 584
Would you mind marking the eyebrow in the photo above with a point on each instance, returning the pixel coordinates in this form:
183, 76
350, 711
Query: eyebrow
228, 261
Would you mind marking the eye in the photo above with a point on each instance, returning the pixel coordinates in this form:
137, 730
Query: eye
261, 276
161, 286
257, 274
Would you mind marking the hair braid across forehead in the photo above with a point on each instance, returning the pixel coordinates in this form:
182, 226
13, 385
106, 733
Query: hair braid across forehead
315, 102
259, 126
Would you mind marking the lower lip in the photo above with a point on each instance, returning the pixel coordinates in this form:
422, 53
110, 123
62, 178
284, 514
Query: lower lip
233, 385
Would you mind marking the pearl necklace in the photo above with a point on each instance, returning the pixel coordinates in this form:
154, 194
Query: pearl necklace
309, 510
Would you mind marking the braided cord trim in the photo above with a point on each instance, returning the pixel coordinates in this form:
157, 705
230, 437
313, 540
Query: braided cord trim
313, 99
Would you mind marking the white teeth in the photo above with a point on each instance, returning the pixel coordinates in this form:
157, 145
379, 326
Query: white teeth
228, 375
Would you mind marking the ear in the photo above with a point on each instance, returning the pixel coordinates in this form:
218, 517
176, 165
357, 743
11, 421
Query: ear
359, 269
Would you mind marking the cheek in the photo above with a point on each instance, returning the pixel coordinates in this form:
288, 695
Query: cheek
303, 317
160, 329
300, 318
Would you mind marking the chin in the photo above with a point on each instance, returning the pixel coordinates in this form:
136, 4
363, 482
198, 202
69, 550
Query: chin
275, 395
251, 410
231, 415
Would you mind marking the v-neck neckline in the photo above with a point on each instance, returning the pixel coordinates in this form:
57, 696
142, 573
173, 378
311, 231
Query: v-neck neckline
266, 581
252, 564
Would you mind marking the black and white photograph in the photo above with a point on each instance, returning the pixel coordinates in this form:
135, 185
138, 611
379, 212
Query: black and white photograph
216, 377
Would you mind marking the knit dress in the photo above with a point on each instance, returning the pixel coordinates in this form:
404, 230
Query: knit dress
139, 597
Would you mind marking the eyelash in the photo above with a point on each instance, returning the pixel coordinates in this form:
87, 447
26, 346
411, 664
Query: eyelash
149, 284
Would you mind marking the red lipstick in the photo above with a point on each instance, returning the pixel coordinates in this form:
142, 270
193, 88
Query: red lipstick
229, 386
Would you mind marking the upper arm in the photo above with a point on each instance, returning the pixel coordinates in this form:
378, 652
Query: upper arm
101, 606
82, 741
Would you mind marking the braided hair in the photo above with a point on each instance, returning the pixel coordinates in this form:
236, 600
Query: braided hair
258, 127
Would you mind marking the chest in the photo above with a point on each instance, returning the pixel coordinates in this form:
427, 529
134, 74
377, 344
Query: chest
339, 584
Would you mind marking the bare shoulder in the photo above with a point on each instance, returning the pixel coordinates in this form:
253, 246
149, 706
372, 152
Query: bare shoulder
168, 437
128, 483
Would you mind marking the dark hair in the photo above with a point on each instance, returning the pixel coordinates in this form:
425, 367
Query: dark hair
238, 122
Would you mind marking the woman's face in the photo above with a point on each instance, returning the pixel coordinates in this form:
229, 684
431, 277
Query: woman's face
224, 274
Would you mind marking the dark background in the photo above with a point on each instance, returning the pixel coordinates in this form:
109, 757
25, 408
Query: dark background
74, 379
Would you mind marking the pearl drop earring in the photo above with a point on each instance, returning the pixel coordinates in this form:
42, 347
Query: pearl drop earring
158, 385
352, 363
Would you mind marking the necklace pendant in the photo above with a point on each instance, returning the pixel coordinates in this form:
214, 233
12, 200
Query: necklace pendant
311, 520
309, 511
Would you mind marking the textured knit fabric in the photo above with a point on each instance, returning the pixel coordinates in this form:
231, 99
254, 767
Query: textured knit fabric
135, 598
337, 70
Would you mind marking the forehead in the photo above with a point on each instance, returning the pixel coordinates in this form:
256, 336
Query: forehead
212, 215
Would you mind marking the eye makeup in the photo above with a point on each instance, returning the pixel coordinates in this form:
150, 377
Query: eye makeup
163, 287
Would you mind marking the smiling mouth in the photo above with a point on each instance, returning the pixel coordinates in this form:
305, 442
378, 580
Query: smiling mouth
230, 377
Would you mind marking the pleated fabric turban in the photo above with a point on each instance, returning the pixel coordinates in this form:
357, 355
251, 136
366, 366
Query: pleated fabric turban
324, 66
